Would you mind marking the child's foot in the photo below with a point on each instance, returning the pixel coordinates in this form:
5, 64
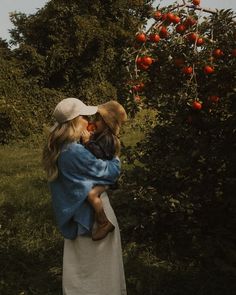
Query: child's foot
101, 217
102, 231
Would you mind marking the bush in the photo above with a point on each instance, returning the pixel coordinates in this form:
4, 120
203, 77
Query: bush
24, 107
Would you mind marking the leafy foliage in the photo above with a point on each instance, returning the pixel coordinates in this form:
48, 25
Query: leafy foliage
23, 105
183, 185
68, 48
176, 202
76, 46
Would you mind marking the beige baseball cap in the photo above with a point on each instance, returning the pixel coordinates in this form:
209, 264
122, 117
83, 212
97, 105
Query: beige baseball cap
70, 108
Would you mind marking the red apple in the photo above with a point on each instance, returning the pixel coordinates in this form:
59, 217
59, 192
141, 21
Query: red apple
141, 37
196, 105
192, 37
196, 2
180, 28
157, 15
217, 53
200, 42
147, 60
187, 70
208, 70
176, 19
154, 38
163, 32
189, 22
170, 17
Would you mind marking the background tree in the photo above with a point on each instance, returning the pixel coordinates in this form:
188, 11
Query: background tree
77, 46
68, 48
23, 104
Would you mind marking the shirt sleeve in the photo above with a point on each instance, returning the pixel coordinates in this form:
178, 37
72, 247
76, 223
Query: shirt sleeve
95, 149
97, 169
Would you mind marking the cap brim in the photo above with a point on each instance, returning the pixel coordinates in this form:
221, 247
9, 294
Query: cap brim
88, 110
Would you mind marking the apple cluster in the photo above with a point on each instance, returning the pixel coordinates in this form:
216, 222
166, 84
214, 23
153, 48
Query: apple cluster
185, 27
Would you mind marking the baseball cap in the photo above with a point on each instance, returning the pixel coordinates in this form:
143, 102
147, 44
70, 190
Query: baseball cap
70, 108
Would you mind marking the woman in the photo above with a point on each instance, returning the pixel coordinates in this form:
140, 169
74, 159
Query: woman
89, 267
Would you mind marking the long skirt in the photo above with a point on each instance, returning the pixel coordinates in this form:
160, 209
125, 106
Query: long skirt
94, 267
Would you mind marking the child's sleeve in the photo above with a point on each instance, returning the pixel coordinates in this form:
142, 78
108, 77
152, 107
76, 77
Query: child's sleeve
90, 166
95, 149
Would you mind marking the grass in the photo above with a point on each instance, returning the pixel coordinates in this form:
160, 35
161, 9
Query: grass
29, 242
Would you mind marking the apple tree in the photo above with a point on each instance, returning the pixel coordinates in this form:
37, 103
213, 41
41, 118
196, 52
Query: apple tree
183, 186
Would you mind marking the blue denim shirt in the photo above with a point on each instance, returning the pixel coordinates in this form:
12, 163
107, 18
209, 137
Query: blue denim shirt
79, 171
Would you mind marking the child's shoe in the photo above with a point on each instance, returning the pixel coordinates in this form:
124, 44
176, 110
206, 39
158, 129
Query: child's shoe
101, 217
102, 231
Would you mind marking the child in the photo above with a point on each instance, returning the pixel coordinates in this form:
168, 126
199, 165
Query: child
104, 144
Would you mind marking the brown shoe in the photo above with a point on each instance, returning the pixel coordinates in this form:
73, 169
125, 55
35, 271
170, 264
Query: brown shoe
101, 217
102, 231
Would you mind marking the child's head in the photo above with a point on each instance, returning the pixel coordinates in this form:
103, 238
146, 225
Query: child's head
113, 115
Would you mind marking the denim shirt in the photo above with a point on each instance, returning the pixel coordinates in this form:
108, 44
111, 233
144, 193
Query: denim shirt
79, 171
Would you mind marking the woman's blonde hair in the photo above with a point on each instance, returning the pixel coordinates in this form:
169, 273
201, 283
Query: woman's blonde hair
64, 133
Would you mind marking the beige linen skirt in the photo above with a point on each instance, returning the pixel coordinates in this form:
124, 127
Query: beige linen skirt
94, 267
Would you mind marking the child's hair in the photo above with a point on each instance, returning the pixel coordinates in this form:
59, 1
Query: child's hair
113, 115
64, 133
108, 142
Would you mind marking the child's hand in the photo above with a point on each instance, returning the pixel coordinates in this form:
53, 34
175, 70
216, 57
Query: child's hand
85, 136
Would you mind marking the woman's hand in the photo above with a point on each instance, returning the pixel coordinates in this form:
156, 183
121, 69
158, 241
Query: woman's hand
85, 136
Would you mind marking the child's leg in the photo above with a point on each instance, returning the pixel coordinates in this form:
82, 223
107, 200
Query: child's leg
96, 203
104, 225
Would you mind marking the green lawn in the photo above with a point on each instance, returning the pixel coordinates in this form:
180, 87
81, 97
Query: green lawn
29, 242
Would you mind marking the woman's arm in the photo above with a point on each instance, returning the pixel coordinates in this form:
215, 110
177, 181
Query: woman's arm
88, 165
